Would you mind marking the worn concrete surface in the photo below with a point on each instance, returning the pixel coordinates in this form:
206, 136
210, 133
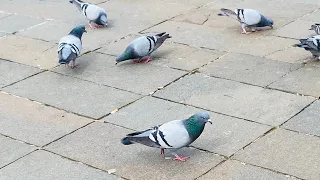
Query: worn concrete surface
262, 93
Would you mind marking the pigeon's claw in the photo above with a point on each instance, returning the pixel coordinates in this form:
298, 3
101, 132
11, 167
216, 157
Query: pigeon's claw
180, 158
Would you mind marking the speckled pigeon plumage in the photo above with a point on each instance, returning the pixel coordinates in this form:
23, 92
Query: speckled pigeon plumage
248, 18
69, 47
316, 28
94, 14
171, 135
142, 47
311, 44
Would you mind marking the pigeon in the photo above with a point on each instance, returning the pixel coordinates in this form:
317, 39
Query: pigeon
248, 18
311, 44
94, 14
69, 47
316, 28
142, 47
171, 135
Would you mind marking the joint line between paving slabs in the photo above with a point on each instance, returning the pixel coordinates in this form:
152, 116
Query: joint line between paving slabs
19, 158
220, 163
15, 139
23, 79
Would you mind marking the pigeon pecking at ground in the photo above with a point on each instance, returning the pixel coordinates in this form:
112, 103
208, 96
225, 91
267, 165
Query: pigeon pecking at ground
316, 28
311, 44
248, 18
171, 135
142, 47
94, 14
69, 47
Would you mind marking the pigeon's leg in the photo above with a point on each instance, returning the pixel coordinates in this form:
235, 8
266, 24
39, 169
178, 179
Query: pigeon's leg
162, 152
91, 26
243, 26
143, 60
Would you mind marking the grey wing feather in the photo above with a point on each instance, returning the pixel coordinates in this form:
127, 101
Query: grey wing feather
160, 39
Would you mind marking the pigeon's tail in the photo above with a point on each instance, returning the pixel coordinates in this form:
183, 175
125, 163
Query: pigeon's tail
77, 3
160, 39
227, 12
66, 55
140, 137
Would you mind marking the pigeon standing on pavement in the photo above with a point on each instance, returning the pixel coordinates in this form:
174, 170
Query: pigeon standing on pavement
69, 47
94, 14
142, 47
248, 18
311, 44
316, 28
171, 135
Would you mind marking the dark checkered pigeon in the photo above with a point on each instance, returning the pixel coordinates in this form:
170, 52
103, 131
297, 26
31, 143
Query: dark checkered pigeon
311, 44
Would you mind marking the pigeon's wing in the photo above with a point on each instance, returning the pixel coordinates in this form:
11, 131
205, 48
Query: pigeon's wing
249, 16
142, 46
73, 41
92, 12
172, 134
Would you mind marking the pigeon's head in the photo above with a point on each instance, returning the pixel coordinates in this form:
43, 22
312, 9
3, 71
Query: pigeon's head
78, 31
203, 117
265, 21
314, 27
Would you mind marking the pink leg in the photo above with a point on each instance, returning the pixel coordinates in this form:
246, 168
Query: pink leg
143, 61
162, 152
180, 158
91, 26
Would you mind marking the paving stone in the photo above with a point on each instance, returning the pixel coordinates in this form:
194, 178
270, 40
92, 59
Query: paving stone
298, 33
313, 17
34, 123
308, 121
286, 152
140, 78
25, 50
237, 99
304, 81
69, 94
44, 165
236, 170
11, 150
198, 16
3, 15
12, 72
225, 136
16, 23
99, 145
249, 69
290, 55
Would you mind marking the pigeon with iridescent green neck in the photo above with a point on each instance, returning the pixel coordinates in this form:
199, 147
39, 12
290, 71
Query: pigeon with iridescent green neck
171, 135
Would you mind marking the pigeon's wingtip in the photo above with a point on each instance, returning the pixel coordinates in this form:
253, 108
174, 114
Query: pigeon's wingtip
71, 1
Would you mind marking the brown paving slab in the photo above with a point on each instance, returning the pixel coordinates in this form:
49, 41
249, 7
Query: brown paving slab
232, 169
308, 121
26, 50
225, 136
236, 99
71, 94
250, 69
304, 81
11, 72
42, 165
99, 145
287, 152
15, 23
140, 78
11, 150
35, 123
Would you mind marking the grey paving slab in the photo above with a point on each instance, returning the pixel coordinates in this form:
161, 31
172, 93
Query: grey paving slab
35, 123
47, 166
28, 51
313, 17
250, 69
225, 136
232, 169
291, 55
140, 78
12, 72
308, 121
237, 99
304, 81
11, 150
301, 30
3, 15
99, 145
16, 23
72, 94
286, 152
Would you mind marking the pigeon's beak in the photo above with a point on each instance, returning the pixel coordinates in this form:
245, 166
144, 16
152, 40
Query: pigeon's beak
209, 121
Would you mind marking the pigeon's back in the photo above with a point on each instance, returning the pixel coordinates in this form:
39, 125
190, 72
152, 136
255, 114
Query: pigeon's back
249, 16
140, 46
93, 12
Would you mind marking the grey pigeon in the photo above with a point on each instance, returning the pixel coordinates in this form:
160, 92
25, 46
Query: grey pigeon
69, 47
311, 44
142, 47
171, 135
316, 28
248, 18
94, 14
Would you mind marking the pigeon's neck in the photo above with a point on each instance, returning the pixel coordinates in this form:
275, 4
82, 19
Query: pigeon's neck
127, 54
193, 127
76, 33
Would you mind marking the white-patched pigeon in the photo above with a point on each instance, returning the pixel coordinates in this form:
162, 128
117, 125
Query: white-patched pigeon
171, 135
142, 47
316, 28
94, 14
248, 18
311, 44
69, 47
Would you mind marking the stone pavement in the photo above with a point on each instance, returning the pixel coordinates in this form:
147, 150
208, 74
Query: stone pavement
263, 94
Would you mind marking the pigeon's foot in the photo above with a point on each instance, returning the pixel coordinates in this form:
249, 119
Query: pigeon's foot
245, 32
162, 153
180, 158
143, 60
92, 27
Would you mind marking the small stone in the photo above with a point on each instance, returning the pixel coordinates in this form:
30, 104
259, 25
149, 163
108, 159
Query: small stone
110, 171
114, 111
